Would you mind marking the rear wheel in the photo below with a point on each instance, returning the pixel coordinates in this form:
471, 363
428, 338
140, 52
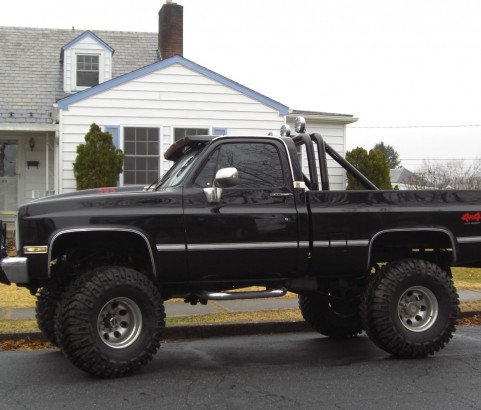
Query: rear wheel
111, 321
337, 319
410, 308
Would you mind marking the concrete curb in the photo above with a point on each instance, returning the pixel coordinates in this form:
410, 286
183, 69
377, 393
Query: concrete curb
181, 332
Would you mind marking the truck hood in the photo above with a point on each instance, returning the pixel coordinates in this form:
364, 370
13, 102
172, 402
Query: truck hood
95, 191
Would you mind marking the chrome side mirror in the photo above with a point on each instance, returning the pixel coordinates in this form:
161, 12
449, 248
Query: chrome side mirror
224, 178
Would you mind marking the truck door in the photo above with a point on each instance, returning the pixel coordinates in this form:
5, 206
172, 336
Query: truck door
253, 230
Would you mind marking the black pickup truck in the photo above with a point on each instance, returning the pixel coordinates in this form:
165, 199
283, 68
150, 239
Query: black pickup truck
233, 213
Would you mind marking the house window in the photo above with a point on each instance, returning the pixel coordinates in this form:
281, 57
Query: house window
187, 132
142, 159
87, 70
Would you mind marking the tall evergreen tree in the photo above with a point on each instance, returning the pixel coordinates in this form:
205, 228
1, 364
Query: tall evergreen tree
390, 153
373, 165
98, 162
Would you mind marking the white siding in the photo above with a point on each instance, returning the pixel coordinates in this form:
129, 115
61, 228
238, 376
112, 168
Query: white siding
334, 135
173, 97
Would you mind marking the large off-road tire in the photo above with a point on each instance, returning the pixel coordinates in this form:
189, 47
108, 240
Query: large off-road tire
111, 321
48, 301
333, 319
410, 308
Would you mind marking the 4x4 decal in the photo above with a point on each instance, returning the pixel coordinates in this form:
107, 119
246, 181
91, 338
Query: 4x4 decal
471, 218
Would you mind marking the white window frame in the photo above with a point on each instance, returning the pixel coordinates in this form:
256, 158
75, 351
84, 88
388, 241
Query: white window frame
122, 128
78, 52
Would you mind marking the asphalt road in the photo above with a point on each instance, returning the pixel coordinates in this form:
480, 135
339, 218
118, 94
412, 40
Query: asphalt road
286, 371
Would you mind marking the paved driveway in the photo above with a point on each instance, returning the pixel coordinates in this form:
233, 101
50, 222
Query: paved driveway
291, 371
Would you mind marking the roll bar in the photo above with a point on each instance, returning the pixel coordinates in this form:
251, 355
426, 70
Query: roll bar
324, 148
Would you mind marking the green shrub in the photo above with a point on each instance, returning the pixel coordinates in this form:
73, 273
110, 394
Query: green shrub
98, 162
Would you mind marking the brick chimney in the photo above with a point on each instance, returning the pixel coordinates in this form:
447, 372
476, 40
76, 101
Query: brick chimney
171, 30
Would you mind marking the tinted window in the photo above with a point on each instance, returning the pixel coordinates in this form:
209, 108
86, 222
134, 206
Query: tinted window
258, 164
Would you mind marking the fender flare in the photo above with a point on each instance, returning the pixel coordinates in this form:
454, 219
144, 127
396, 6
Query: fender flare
418, 229
59, 233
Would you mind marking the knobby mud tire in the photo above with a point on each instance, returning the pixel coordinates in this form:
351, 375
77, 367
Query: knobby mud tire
410, 308
328, 320
88, 331
48, 301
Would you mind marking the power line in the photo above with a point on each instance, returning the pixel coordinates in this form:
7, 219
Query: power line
439, 159
418, 126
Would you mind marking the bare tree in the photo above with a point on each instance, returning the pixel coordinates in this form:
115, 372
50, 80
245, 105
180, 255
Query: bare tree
455, 174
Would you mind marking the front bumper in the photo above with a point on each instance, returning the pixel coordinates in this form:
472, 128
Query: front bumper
13, 270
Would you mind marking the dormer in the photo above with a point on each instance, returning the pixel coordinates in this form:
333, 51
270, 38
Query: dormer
87, 62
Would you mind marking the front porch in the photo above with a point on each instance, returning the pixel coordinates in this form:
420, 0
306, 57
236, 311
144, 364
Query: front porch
27, 165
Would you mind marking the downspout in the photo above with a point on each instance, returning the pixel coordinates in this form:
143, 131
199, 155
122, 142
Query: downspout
47, 163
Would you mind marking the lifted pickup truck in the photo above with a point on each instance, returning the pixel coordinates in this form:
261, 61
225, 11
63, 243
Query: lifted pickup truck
237, 212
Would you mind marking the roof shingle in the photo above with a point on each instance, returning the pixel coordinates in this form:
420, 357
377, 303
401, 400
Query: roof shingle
31, 74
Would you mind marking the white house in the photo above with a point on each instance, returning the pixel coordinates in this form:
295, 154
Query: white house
137, 86
148, 109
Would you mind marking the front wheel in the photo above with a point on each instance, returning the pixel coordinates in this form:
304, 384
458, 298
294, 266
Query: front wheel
410, 308
111, 321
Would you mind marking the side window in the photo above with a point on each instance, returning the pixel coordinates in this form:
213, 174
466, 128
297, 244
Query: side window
206, 176
258, 164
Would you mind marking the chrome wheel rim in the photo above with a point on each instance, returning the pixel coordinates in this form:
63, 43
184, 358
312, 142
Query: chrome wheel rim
418, 308
119, 323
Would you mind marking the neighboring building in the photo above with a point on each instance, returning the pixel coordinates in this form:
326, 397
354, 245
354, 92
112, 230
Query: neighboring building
332, 128
138, 86
404, 179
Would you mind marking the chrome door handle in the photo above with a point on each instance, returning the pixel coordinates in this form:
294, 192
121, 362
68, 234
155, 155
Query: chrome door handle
280, 194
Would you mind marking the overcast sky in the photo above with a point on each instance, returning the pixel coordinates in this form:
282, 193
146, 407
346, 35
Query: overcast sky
406, 63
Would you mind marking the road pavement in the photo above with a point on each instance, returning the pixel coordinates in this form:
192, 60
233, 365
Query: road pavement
289, 371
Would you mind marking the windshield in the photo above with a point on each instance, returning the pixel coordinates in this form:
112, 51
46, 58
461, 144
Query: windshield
179, 170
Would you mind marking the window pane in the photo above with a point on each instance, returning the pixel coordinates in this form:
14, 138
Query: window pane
153, 164
152, 177
153, 148
129, 148
129, 134
141, 134
153, 134
129, 177
179, 133
87, 78
141, 149
87, 70
259, 165
129, 163
183, 132
206, 176
140, 163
